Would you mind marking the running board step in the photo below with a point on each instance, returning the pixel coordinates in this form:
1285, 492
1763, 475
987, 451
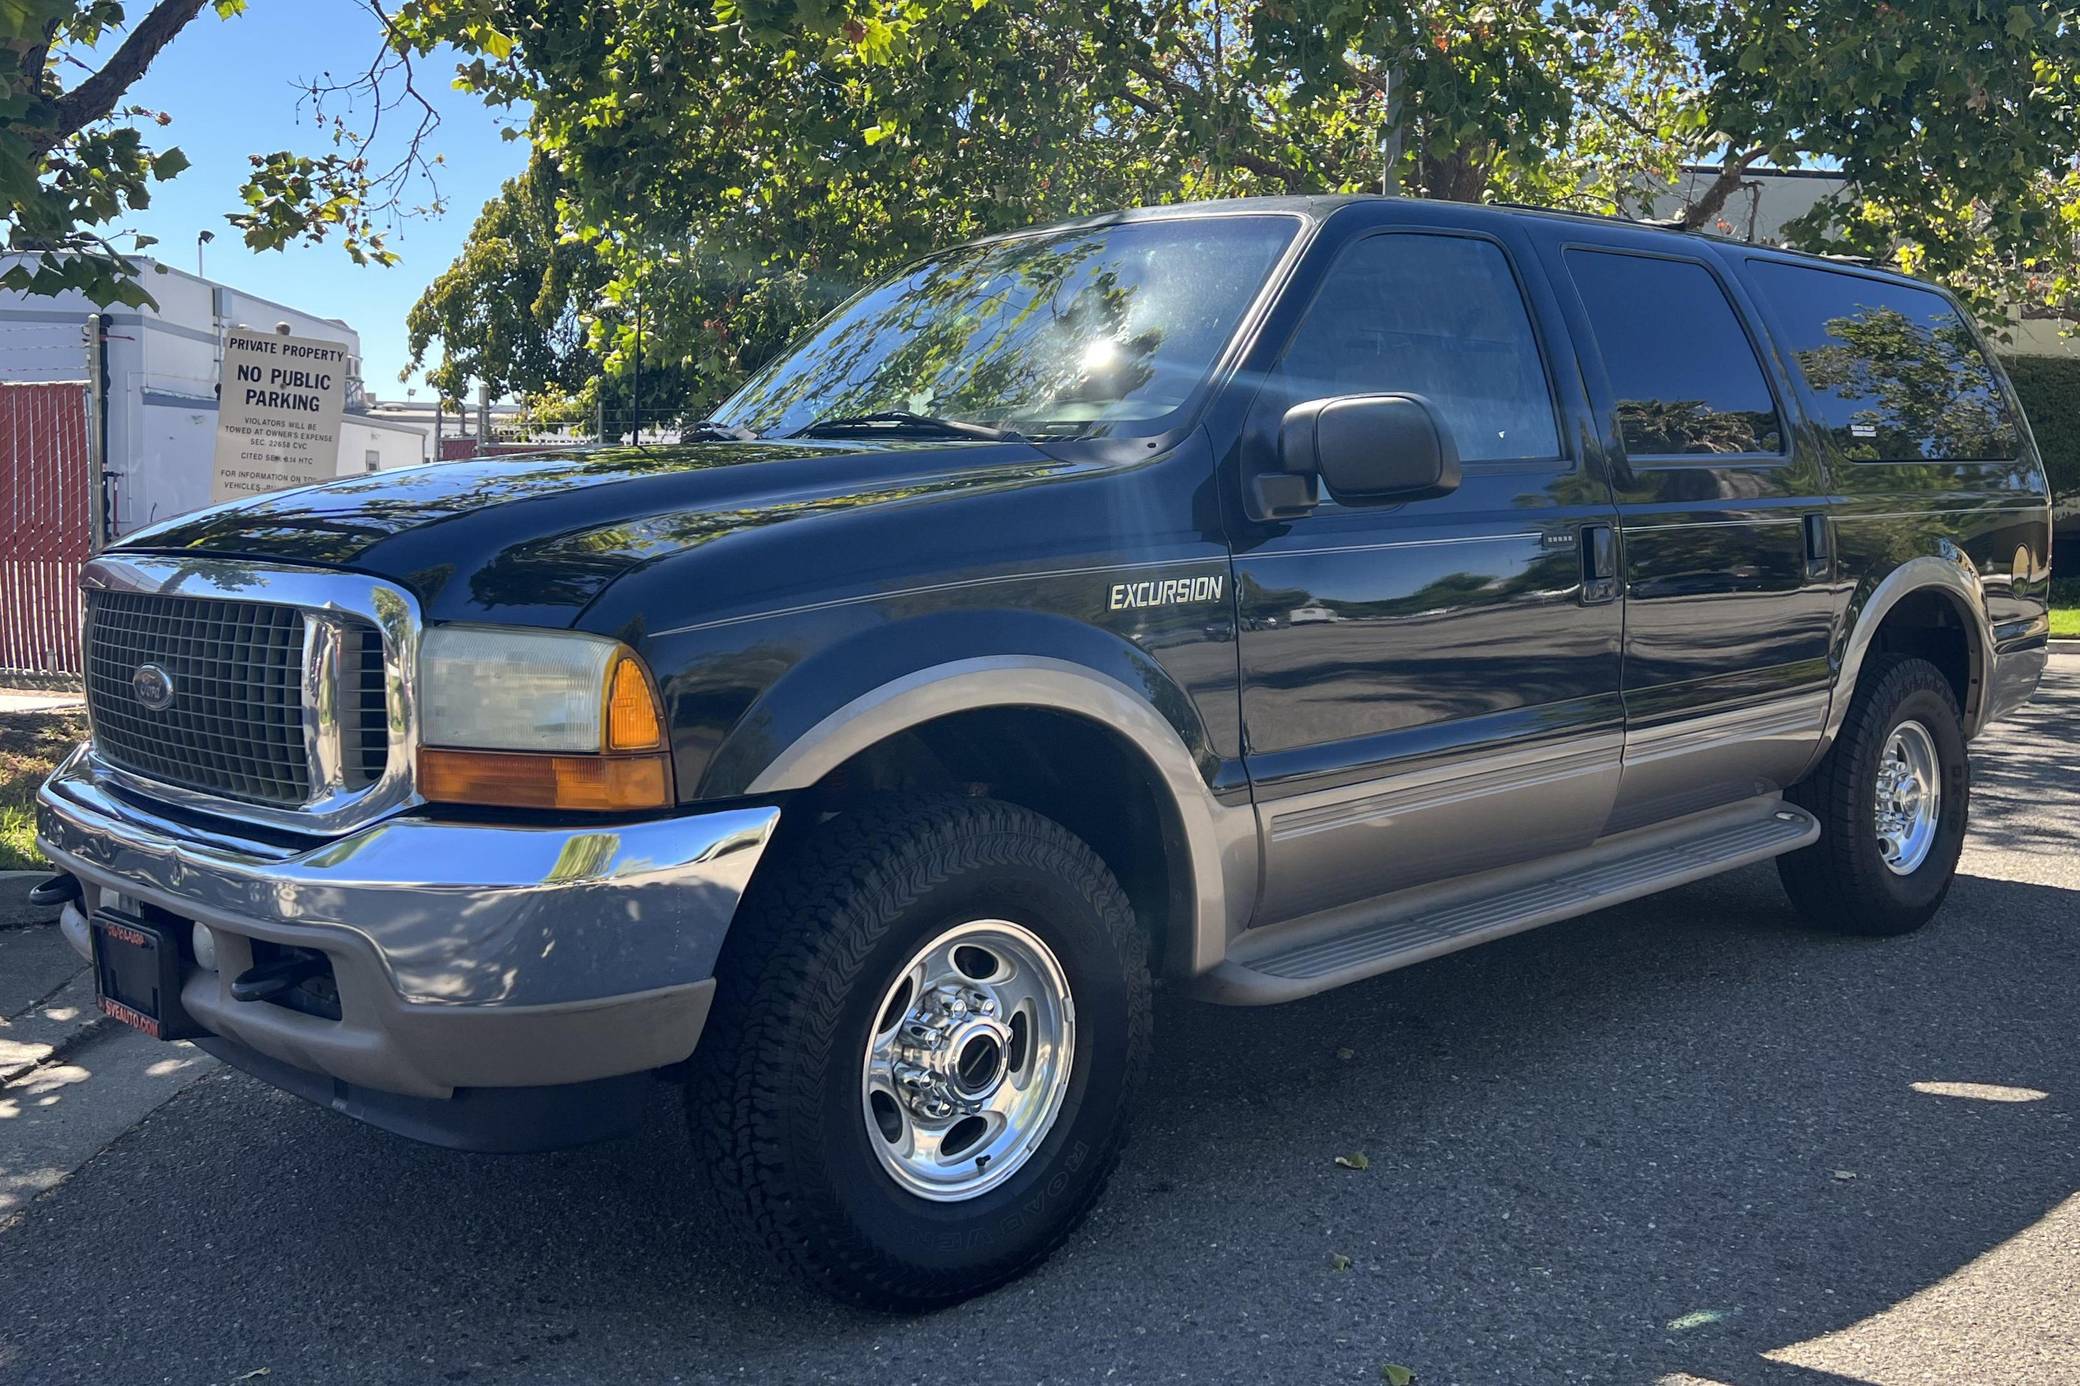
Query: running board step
1308, 956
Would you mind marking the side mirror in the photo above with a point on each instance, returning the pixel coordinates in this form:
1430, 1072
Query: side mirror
1370, 448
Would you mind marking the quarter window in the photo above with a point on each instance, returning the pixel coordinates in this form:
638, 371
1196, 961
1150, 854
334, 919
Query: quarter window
1896, 374
1436, 316
1680, 364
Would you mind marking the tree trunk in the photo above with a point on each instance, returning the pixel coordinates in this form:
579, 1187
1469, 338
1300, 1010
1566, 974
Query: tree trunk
1712, 200
1461, 176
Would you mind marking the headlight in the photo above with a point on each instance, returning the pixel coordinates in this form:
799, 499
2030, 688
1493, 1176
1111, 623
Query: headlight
538, 719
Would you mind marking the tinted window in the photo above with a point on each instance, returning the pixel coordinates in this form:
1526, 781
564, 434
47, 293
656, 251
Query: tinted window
1437, 316
1683, 370
1896, 374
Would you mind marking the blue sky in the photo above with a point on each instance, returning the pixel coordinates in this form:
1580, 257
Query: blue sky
230, 87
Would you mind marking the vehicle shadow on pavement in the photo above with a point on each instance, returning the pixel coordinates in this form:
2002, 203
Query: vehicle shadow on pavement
1654, 1144
2026, 778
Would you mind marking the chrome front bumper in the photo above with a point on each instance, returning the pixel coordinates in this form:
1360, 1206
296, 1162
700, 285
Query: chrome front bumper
466, 955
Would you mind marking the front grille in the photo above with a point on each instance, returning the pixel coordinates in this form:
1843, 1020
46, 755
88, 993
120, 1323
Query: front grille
235, 724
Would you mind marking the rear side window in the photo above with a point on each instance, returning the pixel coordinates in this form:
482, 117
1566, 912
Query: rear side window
1436, 316
1896, 374
1680, 363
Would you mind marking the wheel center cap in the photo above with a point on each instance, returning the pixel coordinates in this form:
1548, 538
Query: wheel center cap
951, 1052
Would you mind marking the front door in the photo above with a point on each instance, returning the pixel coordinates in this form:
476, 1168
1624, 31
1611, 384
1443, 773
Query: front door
1430, 688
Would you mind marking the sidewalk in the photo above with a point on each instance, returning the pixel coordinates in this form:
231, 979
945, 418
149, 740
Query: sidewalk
71, 1079
38, 699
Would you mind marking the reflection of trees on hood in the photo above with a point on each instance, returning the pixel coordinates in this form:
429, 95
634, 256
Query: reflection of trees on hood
1927, 390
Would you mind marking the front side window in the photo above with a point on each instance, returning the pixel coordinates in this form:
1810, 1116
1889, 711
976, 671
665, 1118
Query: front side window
1053, 335
1896, 374
1681, 366
1436, 316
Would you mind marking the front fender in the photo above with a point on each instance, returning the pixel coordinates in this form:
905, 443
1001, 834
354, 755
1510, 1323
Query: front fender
862, 691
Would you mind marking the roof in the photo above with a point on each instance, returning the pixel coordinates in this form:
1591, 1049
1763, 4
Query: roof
1319, 207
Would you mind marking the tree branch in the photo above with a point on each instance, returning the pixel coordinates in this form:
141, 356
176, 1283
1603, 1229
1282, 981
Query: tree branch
96, 97
1293, 179
1728, 181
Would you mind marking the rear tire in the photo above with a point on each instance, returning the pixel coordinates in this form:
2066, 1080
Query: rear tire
900, 971
1892, 795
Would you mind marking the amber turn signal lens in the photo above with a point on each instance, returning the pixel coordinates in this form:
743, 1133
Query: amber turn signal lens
508, 779
633, 723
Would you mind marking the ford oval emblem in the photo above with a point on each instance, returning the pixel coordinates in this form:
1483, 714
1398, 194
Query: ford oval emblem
153, 687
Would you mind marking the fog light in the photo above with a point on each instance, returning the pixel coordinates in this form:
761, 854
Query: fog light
205, 945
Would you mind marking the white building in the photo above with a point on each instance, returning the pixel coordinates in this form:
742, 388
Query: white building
428, 416
162, 368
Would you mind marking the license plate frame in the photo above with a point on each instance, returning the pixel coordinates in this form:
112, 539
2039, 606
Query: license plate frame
137, 974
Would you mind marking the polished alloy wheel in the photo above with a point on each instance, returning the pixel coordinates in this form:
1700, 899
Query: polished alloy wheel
1910, 797
969, 1060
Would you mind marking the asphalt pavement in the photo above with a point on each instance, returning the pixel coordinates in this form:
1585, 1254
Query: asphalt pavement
1683, 1141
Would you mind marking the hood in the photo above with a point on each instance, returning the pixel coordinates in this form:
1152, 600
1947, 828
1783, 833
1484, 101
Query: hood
533, 539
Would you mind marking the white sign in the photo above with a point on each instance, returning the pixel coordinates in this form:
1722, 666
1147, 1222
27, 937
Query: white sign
278, 412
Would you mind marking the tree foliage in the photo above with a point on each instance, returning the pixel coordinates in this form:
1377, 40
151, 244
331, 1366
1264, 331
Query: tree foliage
771, 156
513, 312
2049, 388
75, 159
738, 165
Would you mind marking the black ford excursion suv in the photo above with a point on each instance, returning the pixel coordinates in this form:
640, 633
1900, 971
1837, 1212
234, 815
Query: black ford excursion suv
1260, 595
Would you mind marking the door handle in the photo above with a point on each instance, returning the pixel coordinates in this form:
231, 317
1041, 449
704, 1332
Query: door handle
1599, 564
1819, 547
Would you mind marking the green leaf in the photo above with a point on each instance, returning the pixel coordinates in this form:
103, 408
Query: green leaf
1394, 1374
170, 164
1355, 1160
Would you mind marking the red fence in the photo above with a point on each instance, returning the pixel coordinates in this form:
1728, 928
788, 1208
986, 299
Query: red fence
45, 525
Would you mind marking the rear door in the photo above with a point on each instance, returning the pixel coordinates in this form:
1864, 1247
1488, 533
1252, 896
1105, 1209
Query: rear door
1722, 504
1922, 442
1429, 688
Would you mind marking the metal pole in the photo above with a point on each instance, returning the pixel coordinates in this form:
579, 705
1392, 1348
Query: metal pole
97, 432
1390, 143
636, 391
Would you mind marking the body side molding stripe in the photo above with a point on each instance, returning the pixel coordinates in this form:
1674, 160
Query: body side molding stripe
926, 589
1480, 777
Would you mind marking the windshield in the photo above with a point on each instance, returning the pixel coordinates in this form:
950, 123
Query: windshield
1050, 335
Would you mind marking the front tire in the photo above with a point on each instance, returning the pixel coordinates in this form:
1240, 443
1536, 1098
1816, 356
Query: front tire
1891, 795
932, 1021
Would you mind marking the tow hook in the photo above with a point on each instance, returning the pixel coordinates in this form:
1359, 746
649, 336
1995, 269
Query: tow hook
61, 889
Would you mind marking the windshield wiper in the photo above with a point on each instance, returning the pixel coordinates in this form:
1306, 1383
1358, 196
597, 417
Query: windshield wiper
715, 431
903, 420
